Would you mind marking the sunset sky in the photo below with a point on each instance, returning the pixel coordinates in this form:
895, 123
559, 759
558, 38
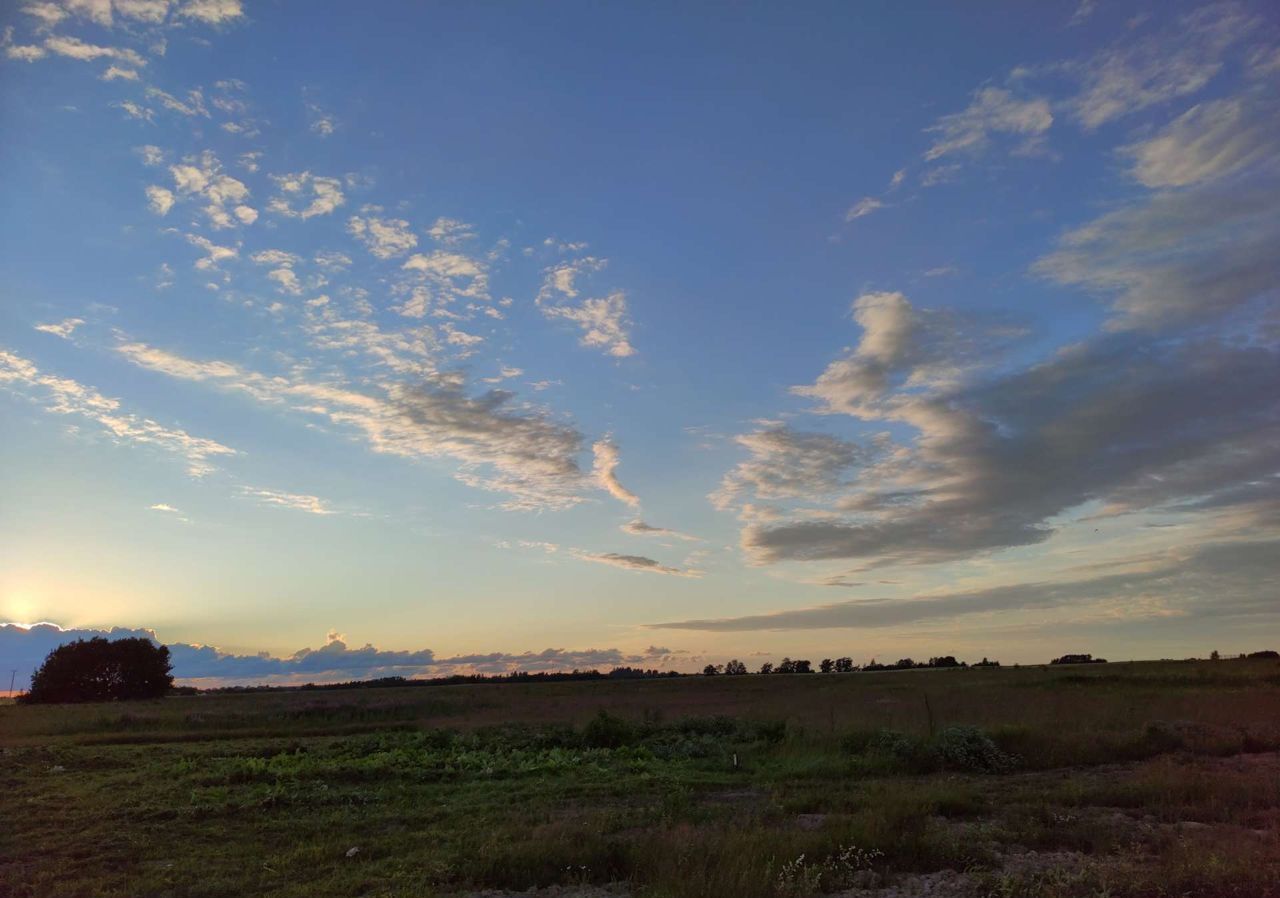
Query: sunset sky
551, 335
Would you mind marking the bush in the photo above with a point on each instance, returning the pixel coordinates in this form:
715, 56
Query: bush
887, 749
962, 748
607, 731
970, 749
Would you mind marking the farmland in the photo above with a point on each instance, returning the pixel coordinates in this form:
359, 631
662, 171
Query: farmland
1129, 779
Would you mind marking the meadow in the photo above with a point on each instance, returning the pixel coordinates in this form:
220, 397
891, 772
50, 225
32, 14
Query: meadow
1121, 779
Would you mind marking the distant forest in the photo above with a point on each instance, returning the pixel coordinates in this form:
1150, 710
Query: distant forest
733, 667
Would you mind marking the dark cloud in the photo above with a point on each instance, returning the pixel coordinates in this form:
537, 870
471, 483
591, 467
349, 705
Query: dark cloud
635, 563
1218, 580
24, 648
527, 454
1173, 404
640, 528
1135, 423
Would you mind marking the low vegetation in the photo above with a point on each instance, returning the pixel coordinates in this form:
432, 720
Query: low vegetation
1138, 780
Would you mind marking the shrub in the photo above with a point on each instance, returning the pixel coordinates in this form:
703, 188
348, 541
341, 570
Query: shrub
969, 748
858, 741
607, 731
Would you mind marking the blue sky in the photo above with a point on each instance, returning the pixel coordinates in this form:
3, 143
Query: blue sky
672, 332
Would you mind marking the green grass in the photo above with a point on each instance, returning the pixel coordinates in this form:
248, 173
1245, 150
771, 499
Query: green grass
1155, 787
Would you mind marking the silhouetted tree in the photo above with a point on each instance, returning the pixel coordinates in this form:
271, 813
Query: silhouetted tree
735, 667
826, 665
801, 665
710, 670
786, 665
844, 665
766, 668
102, 670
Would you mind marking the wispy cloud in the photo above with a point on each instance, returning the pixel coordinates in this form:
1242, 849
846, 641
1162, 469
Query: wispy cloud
634, 563
605, 470
63, 328
293, 501
64, 396
1217, 580
864, 206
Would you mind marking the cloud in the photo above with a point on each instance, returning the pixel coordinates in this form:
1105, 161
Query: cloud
939, 174
286, 281
604, 469
640, 528
152, 11
562, 279
633, 563
332, 261
293, 501
134, 111
527, 456
994, 110
63, 396
213, 252
211, 12
440, 278
1207, 142
159, 199
1177, 61
115, 73
500, 446
99, 11
48, 13
1116, 420
323, 123
451, 231
25, 52
789, 464
604, 322
74, 48
63, 328
384, 237
444, 264
1218, 580
202, 176
192, 107
321, 195
151, 154
25, 647
162, 507
904, 347
1083, 12
864, 206
275, 257
1181, 255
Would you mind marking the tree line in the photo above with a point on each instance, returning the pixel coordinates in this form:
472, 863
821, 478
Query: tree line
99, 669
838, 665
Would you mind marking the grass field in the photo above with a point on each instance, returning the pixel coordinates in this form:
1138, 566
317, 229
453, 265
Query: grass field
1143, 779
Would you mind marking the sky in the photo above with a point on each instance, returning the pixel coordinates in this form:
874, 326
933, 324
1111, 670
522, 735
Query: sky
425, 338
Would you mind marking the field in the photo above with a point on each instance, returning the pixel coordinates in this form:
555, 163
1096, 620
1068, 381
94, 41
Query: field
1142, 779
